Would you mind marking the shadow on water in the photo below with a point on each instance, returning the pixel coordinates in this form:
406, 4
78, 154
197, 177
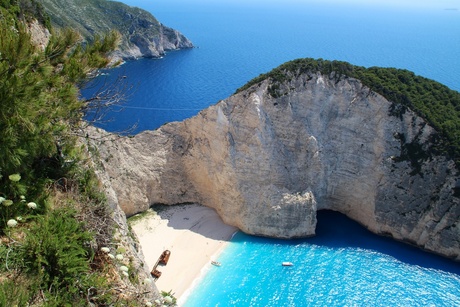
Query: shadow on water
335, 230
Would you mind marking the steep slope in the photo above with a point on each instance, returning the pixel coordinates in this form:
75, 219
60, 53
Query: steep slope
293, 142
142, 34
53, 217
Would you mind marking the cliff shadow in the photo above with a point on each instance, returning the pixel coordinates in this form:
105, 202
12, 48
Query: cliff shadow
196, 218
333, 230
336, 230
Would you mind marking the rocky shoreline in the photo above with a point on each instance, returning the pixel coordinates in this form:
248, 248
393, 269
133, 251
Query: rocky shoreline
141, 34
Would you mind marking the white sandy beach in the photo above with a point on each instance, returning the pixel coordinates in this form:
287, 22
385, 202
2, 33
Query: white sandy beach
194, 234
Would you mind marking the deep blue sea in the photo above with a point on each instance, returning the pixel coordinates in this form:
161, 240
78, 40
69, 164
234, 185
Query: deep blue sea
238, 40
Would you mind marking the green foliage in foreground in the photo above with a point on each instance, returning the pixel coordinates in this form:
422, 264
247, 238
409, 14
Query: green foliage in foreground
436, 103
56, 255
39, 107
54, 259
15, 293
53, 218
56, 249
39, 94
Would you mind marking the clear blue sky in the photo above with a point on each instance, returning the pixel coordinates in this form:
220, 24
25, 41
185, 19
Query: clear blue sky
441, 4
406, 3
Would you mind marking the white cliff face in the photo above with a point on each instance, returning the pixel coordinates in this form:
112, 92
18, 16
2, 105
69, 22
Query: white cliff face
268, 164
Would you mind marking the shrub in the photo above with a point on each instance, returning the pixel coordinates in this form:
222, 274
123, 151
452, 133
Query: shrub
55, 249
14, 294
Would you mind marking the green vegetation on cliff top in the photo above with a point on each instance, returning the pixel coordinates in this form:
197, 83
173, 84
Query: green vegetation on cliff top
436, 103
92, 17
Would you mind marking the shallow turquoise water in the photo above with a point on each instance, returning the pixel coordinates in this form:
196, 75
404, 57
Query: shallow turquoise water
344, 265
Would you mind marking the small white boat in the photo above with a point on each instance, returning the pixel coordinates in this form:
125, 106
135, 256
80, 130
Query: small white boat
216, 263
287, 264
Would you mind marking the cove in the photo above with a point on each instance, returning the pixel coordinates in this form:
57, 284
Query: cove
344, 265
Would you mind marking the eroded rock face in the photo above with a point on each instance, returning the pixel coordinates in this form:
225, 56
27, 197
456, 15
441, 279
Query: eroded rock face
137, 44
142, 35
268, 164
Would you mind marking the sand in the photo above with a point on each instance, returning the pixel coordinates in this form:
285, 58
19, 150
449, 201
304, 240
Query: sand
194, 234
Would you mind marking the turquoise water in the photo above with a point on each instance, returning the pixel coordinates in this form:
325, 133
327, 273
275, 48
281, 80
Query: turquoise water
238, 40
344, 265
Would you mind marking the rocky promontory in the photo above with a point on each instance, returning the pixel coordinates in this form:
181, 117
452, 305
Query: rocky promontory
142, 35
290, 144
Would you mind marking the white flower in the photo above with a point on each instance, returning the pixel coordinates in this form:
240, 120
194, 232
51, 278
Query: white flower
168, 299
124, 268
157, 302
119, 257
14, 177
2, 199
22, 197
105, 249
148, 304
12, 223
32, 205
7, 202
125, 273
19, 218
147, 281
111, 256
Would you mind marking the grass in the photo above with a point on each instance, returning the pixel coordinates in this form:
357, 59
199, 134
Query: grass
141, 216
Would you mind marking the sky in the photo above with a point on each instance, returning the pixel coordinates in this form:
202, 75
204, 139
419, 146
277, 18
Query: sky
406, 3
440, 4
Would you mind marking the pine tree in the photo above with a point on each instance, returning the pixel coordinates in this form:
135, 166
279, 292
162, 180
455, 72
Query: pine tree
39, 99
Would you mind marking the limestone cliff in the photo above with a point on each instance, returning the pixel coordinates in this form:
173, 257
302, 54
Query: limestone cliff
125, 237
142, 35
268, 160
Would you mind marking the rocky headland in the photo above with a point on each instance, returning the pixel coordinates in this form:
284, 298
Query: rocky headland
142, 35
292, 143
